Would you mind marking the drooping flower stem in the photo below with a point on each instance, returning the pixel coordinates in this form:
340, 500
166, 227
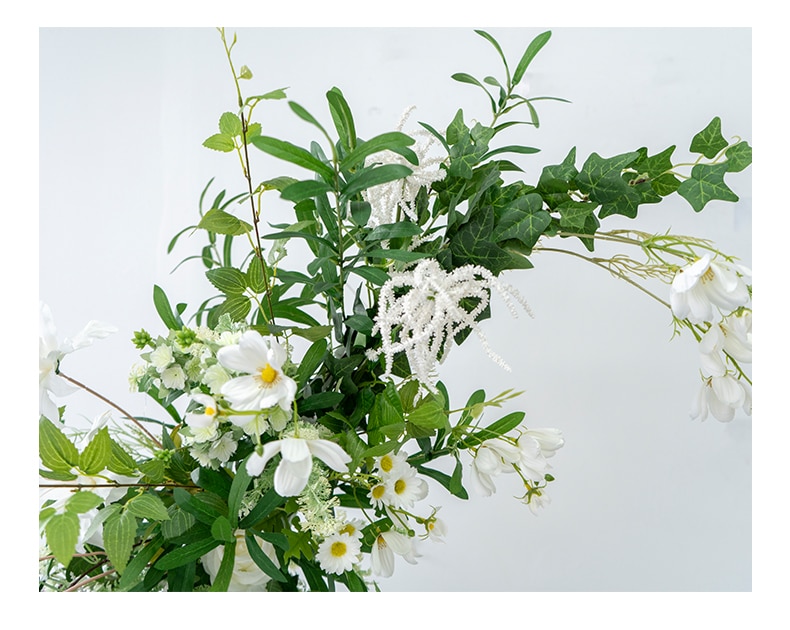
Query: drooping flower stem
126, 414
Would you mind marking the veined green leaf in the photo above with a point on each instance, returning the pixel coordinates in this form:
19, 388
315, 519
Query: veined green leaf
96, 456
55, 450
118, 536
131, 576
706, 184
237, 306
230, 124
229, 280
148, 506
220, 222
220, 142
63, 531
83, 501
709, 141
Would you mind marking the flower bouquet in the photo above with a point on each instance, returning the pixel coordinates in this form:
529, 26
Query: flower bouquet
303, 419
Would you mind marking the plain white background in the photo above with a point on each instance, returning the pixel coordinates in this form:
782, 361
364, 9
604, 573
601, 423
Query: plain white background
645, 498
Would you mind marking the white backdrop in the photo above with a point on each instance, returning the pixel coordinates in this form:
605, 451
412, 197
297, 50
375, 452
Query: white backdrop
645, 499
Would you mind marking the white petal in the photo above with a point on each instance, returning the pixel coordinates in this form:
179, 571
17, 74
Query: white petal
276, 354
330, 453
93, 330
688, 277
728, 390
242, 391
294, 449
291, 477
382, 559
256, 463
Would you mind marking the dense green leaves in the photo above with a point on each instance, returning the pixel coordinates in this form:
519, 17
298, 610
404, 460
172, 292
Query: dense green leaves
294, 154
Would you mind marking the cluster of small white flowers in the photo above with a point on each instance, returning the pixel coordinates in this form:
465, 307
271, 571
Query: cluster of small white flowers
317, 505
430, 313
714, 293
386, 199
526, 455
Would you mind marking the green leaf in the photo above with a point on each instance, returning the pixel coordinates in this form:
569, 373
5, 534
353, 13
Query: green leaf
55, 450
121, 463
396, 254
372, 274
255, 279
237, 306
263, 561
118, 536
513, 148
463, 77
385, 420
229, 280
601, 178
386, 141
230, 124
313, 333
96, 455
154, 469
706, 184
185, 554
494, 430
272, 95
321, 400
63, 532
237, 489
81, 502
293, 154
299, 191
529, 54
312, 359
429, 414
305, 115
341, 116
222, 530
262, 509
739, 156
393, 230
220, 222
456, 486
131, 576
709, 141
375, 177
523, 219
179, 523
472, 245
360, 323
444, 479
162, 305
219, 142
495, 44
148, 506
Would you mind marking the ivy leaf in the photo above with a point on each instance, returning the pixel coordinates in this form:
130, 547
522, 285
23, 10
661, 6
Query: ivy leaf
524, 220
472, 245
554, 181
705, 184
739, 156
601, 178
656, 165
709, 141
578, 216
220, 142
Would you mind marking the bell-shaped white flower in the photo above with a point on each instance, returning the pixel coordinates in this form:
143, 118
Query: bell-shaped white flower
701, 291
532, 464
492, 458
722, 396
50, 353
293, 471
265, 384
732, 335
384, 548
550, 440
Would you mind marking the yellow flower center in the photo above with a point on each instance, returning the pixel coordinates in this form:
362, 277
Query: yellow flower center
400, 486
268, 374
210, 411
338, 549
386, 463
348, 529
430, 526
707, 276
378, 492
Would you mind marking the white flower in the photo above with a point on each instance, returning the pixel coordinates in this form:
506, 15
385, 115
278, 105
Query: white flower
732, 335
338, 553
435, 529
722, 396
391, 463
426, 318
265, 384
99, 422
537, 499
701, 291
247, 576
380, 494
294, 469
174, 377
532, 463
51, 352
353, 528
204, 426
550, 440
215, 377
383, 550
386, 199
406, 488
493, 457
223, 448
161, 357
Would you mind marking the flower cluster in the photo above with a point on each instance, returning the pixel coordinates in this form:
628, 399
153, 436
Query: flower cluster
423, 321
713, 296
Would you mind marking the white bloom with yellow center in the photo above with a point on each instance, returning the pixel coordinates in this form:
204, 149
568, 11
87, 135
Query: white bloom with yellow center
406, 487
265, 385
339, 553
706, 288
384, 548
247, 576
294, 469
204, 426
390, 464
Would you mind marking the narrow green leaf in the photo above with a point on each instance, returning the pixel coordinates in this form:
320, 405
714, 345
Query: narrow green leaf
312, 359
494, 430
374, 177
132, 575
372, 274
321, 400
463, 77
162, 305
237, 489
341, 116
444, 479
262, 509
495, 44
360, 323
293, 154
529, 54
393, 230
383, 142
510, 149
222, 530
263, 561
396, 254
187, 553
225, 573
299, 191
306, 116
63, 531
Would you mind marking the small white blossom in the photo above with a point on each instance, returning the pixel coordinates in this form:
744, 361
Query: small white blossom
391, 463
161, 357
174, 377
215, 377
339, 553
205, 425
405, 487
429, 314
706, 289
383, 550
493, 457
722, 396
223, 448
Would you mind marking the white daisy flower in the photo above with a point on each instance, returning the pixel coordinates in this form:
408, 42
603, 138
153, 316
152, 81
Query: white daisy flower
265, 384
338, 553
390, 463
406, 487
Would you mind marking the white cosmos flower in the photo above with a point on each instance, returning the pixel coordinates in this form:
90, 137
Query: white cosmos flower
701, 291
51, 352
383, 550
338, 553
247, 576
265, 384
294, 469
204, 426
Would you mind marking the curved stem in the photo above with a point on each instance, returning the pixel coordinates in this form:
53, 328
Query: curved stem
126, 414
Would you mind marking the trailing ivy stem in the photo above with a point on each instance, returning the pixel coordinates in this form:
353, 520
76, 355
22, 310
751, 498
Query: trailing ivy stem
598, 263
126, 414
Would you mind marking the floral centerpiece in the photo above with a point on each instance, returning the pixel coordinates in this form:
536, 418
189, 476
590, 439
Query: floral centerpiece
304, 407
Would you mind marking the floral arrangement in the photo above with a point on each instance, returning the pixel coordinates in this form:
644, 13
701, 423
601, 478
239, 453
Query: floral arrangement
304, 407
